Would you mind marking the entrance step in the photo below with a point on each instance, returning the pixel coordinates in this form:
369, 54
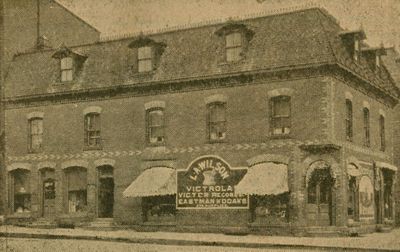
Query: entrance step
43, 223
101, 224
324, 232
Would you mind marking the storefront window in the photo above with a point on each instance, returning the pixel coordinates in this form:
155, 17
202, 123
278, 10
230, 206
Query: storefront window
22, 195
159, 208
76, 189
273, 208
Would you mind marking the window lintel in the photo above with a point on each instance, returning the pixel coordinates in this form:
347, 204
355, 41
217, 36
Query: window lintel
154, 105
92, 109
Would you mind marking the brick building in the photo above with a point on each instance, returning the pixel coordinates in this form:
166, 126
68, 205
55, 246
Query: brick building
26, 25
280, 123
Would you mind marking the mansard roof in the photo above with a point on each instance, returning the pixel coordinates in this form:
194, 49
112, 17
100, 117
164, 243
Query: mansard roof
300, 38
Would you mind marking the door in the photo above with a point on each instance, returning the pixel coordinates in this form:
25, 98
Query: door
319, 198
49, 196
106, 197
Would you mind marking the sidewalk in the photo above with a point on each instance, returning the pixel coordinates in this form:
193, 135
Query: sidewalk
370, 242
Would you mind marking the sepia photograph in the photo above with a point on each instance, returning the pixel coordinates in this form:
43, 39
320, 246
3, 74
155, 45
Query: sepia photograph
199, 125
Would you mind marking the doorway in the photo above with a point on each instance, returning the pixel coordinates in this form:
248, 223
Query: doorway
105, 192
319, 198
48, 193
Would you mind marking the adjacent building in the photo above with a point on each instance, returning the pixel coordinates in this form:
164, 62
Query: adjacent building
274, 124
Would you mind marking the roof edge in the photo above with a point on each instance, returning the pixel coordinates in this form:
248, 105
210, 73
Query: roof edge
76, 16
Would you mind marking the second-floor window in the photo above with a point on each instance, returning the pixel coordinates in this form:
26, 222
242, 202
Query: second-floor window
349, 120
217, 121
92, 130
155, 126
35, 134
145, 59
233, 47
382, 132
67, 69
280, 115
367, 140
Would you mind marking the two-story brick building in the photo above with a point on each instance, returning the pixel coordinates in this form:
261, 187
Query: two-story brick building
279, 123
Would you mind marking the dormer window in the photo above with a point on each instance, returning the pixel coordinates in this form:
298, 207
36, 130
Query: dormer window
352, 40
70, 63
145, 59
233, 46
235, 39
67, 69
145, 55
356, 55
378, 61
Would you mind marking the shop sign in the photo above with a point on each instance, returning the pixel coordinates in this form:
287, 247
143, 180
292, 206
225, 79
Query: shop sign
366, 190
209, 183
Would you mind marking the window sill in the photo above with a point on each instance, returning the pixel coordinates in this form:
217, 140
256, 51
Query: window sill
231, 63
34, 151
217, 141
283, 136
94, 148
143, 74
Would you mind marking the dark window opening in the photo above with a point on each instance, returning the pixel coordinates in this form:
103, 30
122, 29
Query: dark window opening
158, 208
367, 141
349, 120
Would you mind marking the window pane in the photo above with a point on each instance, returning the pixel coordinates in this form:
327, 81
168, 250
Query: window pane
156, 118
156, 134
218, 131
233, 54
281, 106
66, 63
144, 52
145, 65
233, 39
217, 112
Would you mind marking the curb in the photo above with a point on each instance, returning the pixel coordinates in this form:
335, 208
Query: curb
178, 242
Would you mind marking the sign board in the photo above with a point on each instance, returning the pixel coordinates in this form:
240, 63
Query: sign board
209, 183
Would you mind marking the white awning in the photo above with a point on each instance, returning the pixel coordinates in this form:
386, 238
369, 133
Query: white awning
352, 170
153, 182
264, 179
384, 165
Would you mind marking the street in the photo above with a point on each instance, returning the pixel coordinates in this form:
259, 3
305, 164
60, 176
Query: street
27, 245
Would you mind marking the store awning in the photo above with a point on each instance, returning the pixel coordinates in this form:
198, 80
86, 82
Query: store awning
384, 165
353, 171
264, 179
155, 181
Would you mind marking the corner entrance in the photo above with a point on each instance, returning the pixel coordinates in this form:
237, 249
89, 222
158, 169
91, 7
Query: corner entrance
319, 197
105, 192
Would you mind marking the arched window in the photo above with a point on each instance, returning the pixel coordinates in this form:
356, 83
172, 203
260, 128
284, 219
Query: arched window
349, 120
367, 141
382, 132
155, 129
76, 189
20, 190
